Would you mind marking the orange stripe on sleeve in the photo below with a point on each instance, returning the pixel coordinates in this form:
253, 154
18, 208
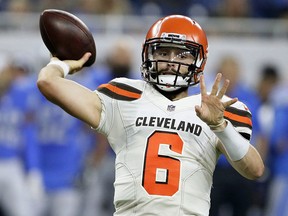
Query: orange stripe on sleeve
238, 118
120, 91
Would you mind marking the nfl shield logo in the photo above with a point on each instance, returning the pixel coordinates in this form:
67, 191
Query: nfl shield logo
170, 108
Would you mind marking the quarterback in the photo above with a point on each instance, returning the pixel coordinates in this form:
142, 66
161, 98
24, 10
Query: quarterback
166, 142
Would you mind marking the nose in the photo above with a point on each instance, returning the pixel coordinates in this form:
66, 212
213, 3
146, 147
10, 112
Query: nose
171, 64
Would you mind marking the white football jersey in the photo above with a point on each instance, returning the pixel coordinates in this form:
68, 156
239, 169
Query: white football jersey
165, 154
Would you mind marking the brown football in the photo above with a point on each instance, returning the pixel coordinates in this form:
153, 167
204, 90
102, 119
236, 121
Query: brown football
66, 36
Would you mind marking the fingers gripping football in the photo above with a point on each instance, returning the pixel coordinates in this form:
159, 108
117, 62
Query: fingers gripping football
76, 65
70, 66
212, 107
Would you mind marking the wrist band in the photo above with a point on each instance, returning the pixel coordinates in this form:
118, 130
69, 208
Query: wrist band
214, 127
235, 145
65, 67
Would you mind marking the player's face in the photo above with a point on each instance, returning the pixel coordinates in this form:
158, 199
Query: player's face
173, 59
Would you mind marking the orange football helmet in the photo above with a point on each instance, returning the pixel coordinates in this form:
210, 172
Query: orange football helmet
175, 32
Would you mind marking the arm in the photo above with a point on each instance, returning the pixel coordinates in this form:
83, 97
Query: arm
241, 154
251, 165
75, 99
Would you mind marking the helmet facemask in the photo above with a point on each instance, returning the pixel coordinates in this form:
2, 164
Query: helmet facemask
180, 71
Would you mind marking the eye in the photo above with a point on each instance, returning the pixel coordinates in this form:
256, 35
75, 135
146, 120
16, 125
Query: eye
185, 55
162, 53
182, 56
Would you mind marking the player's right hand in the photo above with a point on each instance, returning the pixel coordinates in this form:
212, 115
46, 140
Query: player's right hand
77, 65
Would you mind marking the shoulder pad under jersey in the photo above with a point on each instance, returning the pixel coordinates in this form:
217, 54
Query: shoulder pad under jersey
123, 89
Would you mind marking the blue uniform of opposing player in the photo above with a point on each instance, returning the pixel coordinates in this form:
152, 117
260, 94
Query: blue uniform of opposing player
18, 150
278, 192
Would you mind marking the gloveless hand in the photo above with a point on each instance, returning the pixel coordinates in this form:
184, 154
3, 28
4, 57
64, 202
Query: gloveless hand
76, 65
212, 108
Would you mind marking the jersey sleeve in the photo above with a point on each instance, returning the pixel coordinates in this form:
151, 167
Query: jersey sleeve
108, 105
117, 90
241, 118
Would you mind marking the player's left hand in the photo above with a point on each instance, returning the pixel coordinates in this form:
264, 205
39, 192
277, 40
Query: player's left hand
212, 108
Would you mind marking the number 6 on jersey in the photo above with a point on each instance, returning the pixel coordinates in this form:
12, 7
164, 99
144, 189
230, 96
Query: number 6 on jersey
161, 173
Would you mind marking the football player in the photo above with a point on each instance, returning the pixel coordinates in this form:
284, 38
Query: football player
166, 142
20, 179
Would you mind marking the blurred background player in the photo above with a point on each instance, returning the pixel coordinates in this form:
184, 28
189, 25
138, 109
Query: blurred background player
278, 190
269, 79
231, 194
20, 181
239, 196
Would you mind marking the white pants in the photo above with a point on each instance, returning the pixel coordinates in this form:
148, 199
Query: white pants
14, 192
278, 197
99, 191
64, 202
